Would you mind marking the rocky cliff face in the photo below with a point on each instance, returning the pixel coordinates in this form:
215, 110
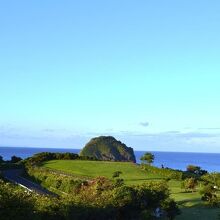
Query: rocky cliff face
108, 148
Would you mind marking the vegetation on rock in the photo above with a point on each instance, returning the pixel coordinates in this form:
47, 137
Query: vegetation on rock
108, 148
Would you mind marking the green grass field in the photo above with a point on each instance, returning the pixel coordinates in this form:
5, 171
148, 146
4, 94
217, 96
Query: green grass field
131, 173
191, 205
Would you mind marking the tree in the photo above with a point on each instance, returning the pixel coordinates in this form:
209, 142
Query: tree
213, 178
195, 170
15, 159
147, 158
189, 184
1, 159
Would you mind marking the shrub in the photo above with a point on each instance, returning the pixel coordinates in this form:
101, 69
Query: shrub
116, 174
102, 198
46, 156
15, 159
196, 170
171, 209
54, 181
189, 184
209, 195
213, 178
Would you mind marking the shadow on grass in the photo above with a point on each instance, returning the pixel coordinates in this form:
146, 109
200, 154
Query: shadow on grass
200, 212
195, 202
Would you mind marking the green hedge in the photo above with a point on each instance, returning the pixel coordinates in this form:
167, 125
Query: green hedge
54, 181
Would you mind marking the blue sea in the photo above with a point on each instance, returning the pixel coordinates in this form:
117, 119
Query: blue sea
175, 160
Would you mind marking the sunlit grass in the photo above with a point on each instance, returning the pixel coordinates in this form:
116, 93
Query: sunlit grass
131, 173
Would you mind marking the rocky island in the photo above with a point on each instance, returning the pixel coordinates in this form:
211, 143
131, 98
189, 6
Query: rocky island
108, 148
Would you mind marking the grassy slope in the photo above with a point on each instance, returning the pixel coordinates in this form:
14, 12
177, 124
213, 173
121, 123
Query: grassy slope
191, 204
130, 172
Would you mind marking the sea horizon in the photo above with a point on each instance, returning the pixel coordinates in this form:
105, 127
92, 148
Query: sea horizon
174, 160
165, 151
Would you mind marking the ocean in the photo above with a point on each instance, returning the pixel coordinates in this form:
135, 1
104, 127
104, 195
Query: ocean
175, 160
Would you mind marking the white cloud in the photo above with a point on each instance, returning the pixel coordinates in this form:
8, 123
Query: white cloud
145, 124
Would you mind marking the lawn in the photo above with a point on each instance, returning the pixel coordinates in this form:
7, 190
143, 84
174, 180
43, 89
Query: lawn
190, 203
131, 173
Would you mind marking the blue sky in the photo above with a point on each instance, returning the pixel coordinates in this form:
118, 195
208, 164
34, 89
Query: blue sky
146, 72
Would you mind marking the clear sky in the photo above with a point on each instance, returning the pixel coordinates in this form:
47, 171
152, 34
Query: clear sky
146, 72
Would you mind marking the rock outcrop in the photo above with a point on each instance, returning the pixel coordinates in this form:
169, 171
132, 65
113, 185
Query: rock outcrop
108, 148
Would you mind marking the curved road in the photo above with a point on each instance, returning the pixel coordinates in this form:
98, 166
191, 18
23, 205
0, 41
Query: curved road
14, 176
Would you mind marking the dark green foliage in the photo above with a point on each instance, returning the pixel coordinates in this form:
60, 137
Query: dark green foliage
196, 170
102, 198
187, 175
15, 159
8, 165
118, 182
55, 181
147, 158
108, 148
17, 204
46, 156
116, 174
171, 209
209, 195
14, 203
1, 159
126, 202
193, 169
213, 178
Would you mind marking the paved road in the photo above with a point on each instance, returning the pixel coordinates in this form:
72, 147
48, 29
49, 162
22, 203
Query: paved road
14, 176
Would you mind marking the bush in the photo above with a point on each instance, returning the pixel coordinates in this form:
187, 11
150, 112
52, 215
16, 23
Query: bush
171, 208
15, 159
17, 204
1, 159
213, 178
196, 170
116, 174
189, 184
209, 195
102, 198
54, 181
46, 156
